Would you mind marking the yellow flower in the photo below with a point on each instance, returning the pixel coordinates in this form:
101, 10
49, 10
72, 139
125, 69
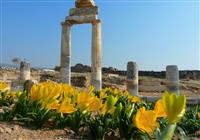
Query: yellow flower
3, 86
145, 120
66, 107
95, 105
84, 100
102, 95
134, 99
159, 109
198, 114
104, 109
109, 105
174, 106
34, 92
53, 105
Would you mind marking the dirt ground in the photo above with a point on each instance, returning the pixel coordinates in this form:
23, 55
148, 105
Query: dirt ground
12, 131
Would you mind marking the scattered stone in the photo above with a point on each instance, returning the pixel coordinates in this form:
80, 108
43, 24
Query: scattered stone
79, 81
1, 130
8, 130
15, 127
69, 131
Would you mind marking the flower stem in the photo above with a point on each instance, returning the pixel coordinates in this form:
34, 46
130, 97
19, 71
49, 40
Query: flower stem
168, 132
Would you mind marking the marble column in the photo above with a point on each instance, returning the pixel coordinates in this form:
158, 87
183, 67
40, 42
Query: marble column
172, 76
132, 78
96, 77
25, 73
65, 71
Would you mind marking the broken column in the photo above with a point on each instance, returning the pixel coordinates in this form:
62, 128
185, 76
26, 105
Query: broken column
96, 80
132, 78
25, 73
172, 76
65, 71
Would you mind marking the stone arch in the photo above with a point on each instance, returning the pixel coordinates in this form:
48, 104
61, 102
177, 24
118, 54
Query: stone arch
84, 13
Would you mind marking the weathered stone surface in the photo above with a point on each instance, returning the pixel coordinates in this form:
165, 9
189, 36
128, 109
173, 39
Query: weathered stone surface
84, 3
172, 76
149, 82
81, 19
25, 73
80, 81
152, 88
83, 11
65, 70
96, 79
132, 78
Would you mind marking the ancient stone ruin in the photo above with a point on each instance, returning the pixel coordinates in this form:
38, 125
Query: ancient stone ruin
132, 78
85, 13
25, 73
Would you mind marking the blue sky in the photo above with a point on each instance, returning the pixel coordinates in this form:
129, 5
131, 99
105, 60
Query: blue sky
152, 33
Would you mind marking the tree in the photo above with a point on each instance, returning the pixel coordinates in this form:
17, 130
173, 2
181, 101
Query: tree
16, 60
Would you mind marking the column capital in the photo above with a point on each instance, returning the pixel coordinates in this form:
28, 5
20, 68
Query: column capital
68, 23
96, 21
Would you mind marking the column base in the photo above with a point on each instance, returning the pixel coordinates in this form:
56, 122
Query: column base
65, 75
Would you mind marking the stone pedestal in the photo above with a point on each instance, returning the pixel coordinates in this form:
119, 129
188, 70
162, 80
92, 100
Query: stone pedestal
25, 73
132, 78
65, 71
172, 76
96, 80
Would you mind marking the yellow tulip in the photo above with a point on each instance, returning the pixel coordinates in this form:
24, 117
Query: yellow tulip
67, 108
198, 114
3, 86
95, 105
34, 92
174, 106
104, 109
84, 100
145, 120
54, 93
102, 95
159, 109
53, 105
134, 99
109, 105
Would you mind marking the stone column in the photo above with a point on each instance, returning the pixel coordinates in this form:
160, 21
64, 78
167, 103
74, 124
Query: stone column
172, 76
96, 77
65, 71
132, 78
25, 73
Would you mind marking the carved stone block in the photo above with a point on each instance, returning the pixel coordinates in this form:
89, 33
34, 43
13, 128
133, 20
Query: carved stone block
83, 11
81, 19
